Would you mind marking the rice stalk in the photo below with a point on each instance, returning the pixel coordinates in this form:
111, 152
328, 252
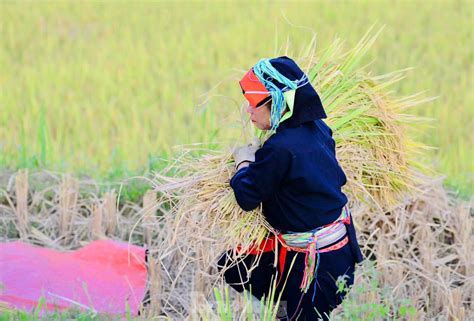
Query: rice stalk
110, 212
155, 286
21, 188
68, 195
97, 231
149, 206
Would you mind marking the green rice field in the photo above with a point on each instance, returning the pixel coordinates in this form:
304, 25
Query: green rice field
106, 89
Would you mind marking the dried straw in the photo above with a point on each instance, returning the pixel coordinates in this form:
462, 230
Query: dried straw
110, 212
68, 195
21, 186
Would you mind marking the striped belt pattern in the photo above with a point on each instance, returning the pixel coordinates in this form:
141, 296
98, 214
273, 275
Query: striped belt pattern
325, 235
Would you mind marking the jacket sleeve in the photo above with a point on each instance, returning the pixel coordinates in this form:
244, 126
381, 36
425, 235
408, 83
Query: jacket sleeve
261, 179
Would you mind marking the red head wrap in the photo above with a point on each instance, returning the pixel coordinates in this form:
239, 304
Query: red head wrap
253, 89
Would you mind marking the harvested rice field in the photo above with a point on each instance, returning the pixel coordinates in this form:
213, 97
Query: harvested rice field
116, 129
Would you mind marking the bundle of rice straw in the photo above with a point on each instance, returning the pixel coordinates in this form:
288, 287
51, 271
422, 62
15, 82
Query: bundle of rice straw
368, 124
201, 198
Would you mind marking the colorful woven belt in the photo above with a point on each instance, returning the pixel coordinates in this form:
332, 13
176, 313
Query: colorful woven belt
313, 243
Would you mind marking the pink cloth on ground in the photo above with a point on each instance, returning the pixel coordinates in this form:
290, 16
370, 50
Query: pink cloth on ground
104, 276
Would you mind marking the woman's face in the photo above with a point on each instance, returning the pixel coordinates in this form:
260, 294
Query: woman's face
260, 116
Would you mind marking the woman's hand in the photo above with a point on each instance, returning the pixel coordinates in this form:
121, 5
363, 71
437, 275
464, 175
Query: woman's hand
244, 155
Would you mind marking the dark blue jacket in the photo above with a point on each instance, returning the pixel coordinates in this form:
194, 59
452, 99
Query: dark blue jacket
296, 177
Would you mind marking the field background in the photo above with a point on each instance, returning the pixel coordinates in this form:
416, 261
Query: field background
106, 89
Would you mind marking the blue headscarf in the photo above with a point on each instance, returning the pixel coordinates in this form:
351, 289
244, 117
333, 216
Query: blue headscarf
280, 75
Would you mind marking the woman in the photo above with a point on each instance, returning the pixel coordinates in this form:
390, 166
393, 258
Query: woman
296, 178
